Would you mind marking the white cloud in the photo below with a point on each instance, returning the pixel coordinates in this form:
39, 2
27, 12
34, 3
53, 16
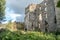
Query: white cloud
13, 15
10, 14
13, 20
5, 22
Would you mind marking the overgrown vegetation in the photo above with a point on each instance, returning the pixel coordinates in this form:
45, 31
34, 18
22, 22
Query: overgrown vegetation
20, 25
29, 35
58, 3
15, 25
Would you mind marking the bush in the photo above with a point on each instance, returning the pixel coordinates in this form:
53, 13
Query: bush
21, 35
58, 3
58, 37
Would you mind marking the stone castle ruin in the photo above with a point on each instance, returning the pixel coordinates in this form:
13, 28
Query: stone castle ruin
41, 16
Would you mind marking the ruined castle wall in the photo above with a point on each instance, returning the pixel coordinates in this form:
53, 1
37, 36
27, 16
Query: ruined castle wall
41, 16
57, 14
31, 17
51, 15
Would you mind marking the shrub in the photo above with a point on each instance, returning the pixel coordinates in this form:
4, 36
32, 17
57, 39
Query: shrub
19, 35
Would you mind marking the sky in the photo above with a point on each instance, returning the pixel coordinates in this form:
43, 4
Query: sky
15, 9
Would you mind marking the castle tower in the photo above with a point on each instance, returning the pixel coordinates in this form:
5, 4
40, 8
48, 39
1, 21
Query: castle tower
42, 16
51, 16
57, 15
47, 13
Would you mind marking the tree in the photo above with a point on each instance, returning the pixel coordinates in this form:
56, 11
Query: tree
2, 9
58, 3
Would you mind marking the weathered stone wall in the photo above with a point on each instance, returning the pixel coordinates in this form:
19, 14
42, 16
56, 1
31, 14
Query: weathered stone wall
41, 15
48, 15
30, 17
57, 14
51, 15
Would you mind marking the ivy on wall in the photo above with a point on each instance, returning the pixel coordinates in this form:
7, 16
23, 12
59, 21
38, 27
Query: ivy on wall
58, 3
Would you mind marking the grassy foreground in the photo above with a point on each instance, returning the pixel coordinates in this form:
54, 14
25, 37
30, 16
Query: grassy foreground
21, 35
